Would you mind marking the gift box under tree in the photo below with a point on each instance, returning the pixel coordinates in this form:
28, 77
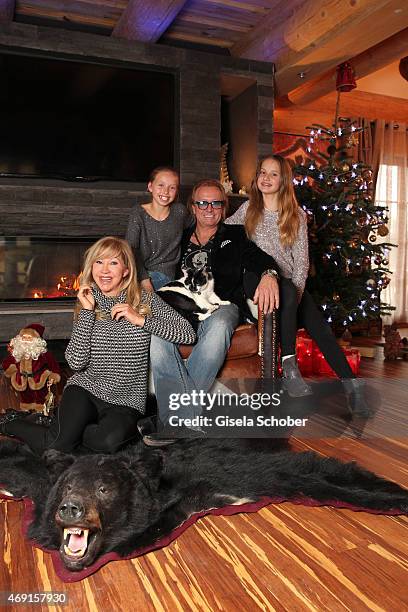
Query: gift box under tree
312, 362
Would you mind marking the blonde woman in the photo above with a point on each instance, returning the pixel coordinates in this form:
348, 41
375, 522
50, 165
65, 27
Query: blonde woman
108, 352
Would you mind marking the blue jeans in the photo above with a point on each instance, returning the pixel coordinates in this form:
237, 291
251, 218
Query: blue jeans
172, 376
158, 279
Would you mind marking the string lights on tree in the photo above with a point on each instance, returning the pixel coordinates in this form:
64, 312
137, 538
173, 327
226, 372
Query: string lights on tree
349, 266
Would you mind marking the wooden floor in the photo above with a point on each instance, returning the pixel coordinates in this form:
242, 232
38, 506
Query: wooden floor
285, 557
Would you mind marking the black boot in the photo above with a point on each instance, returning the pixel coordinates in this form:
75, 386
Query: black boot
8, 416
356, 401
147, 425
292, 380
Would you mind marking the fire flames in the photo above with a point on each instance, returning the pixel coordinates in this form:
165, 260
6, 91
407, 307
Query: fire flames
67, 286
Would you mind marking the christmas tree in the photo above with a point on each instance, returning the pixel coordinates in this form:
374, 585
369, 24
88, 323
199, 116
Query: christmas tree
348, 266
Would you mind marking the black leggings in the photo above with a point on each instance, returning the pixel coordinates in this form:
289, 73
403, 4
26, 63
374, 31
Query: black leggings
293, 316
83, 419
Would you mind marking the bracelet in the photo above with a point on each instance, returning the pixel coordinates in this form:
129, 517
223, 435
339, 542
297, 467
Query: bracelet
270, 272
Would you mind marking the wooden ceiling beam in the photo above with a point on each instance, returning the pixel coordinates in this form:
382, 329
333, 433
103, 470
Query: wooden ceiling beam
352, 104
7, 8
310, 37
147, 21
365, 104
373, 59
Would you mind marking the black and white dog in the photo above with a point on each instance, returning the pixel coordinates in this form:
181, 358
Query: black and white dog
193, 295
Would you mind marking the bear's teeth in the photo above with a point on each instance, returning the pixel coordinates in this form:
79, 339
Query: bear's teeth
77, 553
75, 541
71, 530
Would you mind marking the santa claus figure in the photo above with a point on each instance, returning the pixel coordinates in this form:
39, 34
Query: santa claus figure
32, 369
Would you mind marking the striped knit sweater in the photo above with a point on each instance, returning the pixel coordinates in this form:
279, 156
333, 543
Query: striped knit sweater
111, 358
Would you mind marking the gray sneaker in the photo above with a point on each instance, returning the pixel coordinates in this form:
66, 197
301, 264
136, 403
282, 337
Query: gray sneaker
292, 380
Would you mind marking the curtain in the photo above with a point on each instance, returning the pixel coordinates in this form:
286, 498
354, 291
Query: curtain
391, 146
364, 147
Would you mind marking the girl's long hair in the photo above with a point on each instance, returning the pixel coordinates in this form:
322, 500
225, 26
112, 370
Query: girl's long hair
288, 207
111, 246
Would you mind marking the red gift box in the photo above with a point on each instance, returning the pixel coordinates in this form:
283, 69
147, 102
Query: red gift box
304, 352
311, 359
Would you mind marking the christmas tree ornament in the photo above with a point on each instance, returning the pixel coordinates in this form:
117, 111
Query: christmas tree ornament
382, 230
372, 238
352, 141
335, 297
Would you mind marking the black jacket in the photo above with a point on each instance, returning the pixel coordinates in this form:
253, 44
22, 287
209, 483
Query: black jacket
233, 257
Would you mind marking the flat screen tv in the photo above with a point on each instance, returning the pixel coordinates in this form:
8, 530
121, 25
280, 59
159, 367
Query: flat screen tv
83, 121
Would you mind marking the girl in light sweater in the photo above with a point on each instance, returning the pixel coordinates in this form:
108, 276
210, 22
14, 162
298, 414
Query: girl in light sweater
276, 223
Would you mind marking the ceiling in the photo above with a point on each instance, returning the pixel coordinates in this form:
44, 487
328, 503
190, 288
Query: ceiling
386, 81
306, 39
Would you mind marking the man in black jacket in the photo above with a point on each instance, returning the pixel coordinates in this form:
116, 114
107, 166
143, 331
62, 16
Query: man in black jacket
226, 252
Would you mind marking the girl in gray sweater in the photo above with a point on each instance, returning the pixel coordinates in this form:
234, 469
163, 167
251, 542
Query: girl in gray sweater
109, 352
155, 229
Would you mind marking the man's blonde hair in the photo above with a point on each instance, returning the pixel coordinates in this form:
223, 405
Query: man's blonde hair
209, 183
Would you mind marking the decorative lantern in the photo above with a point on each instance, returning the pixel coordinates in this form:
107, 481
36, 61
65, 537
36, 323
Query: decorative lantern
345, 80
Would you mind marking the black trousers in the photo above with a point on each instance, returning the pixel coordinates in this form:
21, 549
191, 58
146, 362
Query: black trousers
83, 419
293, 316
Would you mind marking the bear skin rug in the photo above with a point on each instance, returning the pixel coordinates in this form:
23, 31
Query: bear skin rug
90, 509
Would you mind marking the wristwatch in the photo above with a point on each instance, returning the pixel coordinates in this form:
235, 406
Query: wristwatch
270, 272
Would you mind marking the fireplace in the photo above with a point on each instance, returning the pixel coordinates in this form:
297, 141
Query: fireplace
40, 269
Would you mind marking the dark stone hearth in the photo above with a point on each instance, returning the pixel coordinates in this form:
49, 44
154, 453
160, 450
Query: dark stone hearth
65, 211
57, 319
